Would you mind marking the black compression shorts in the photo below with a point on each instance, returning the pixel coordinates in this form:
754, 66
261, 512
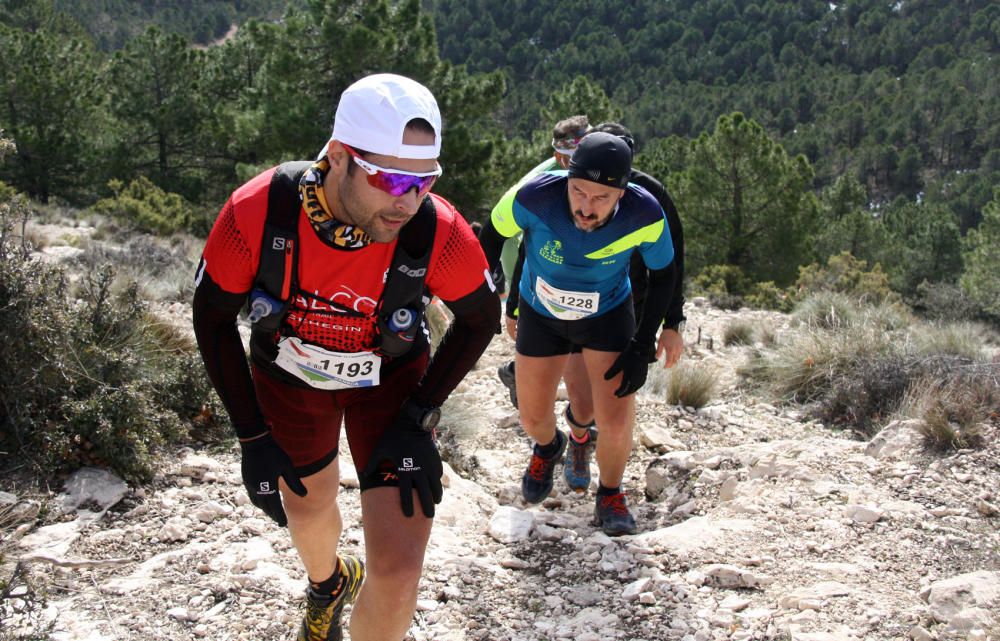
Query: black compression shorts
539, 335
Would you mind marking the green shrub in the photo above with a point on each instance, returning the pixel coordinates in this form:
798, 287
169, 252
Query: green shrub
767, 295
6, 192
163, 269
731, 302
982, 255
89, 379
848, 275
802, 368
945, 302
721, 279
144, 206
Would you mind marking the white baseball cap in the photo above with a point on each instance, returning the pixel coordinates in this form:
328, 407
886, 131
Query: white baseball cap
374, 111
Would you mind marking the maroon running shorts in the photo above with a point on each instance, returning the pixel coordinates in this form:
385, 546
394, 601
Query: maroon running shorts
306, 422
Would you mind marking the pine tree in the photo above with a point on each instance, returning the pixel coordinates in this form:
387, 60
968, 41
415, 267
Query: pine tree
982, 258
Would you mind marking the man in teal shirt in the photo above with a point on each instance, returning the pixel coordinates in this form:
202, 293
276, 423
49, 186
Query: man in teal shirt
580, 228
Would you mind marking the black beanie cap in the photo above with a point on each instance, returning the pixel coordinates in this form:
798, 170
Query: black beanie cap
602, 158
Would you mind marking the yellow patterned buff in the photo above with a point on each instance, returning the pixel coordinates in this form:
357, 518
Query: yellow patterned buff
331, 230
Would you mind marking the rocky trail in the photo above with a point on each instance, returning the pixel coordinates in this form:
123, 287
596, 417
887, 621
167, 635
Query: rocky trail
754, 523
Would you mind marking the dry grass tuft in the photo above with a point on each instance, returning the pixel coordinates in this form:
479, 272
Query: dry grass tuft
739, 331
954, 413
961, 339
691, 384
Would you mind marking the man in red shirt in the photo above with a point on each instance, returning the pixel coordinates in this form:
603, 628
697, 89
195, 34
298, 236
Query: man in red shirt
328, 360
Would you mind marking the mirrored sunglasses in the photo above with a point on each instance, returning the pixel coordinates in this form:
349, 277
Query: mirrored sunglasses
395, 182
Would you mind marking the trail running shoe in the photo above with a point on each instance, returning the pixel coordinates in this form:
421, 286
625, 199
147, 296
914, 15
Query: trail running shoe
506, 374
576, 467
322, 620
613, 515
536, 484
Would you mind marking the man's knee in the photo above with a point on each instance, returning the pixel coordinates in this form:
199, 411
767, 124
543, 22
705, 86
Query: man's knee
319, 501
394, 576
309, 509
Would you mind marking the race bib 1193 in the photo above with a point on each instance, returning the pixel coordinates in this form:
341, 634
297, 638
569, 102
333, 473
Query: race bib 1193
328, 370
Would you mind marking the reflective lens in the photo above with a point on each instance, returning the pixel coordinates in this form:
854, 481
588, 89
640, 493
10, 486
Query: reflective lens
395, 182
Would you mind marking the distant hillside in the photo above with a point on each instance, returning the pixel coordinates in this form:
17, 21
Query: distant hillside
113, 22
902, 94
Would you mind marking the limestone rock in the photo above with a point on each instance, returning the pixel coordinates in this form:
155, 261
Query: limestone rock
723, 575
509, 524
967, 599
863, 513
895, 440
93, 487
806, 597
658, 438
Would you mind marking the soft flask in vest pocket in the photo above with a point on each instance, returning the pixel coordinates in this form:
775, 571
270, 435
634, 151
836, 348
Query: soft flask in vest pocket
397, 330
266, 312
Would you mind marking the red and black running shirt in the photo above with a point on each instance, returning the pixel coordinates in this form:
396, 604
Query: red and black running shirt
335, 283
334, 280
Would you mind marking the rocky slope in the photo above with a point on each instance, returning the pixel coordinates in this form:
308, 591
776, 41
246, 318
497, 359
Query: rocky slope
754, 524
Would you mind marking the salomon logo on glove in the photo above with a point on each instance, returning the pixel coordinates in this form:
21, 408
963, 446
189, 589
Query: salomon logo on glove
409, 450
263, 463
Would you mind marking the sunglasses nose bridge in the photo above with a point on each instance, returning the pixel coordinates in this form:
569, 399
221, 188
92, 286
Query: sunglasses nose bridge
408, 202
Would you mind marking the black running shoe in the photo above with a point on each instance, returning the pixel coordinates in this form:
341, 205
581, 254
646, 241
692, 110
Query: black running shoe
322, 620
536, 484
613, 515
506, 374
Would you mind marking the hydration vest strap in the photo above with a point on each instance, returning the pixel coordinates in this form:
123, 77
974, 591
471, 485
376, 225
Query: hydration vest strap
276, 272
404, 285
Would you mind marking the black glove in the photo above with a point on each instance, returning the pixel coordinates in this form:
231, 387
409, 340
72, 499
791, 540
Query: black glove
633, 363
409, 452
263, 462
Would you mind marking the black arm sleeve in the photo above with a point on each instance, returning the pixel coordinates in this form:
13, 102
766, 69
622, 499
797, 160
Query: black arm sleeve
675, 310
215, 312
661, 284
674, 313
492, 243
475, 324
514, 294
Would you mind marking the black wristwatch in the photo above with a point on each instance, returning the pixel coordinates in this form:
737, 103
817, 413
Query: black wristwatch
427, 418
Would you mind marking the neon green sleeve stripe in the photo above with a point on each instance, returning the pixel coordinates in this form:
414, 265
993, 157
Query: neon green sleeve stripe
502, 215
648, 234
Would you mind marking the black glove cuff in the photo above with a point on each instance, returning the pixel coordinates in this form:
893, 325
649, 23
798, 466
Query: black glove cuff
258, 443
647, 350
